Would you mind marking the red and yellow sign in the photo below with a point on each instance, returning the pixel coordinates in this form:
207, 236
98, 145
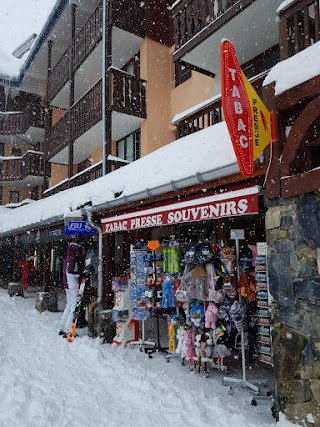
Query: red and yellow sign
250, 125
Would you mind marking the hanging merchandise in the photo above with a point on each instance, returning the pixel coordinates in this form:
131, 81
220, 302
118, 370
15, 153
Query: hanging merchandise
228, 259
168, 300
127, 329
138, 284
204, 253
211, 315
171, 257
247, 285
197, 315
245, 258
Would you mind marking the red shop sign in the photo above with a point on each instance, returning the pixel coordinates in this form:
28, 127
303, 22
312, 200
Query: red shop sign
229, 204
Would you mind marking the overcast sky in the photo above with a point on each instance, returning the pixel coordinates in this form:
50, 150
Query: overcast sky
21, 18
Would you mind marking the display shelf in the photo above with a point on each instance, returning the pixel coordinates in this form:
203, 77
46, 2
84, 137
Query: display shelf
263, 312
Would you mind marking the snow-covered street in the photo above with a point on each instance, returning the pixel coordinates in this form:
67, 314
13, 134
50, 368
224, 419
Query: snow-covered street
46, 381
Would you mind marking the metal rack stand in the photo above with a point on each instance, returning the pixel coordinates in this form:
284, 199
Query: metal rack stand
242, 382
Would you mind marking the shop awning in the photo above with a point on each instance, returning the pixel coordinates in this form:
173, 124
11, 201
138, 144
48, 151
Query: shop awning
197, 158
221, 205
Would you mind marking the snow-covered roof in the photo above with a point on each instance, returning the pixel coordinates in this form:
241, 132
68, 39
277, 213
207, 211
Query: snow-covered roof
284, 5
295, 70
196, 155
9, 65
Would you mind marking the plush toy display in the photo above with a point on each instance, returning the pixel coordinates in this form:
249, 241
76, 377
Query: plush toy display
211, 315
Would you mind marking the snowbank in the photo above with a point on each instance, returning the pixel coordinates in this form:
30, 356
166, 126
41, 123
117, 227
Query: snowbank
46, 381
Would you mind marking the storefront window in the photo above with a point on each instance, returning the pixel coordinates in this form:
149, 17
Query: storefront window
14, 196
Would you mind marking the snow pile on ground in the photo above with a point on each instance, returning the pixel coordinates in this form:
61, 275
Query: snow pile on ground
46, 381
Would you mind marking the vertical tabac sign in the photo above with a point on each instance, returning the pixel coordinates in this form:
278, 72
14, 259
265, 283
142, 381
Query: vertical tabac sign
250, 125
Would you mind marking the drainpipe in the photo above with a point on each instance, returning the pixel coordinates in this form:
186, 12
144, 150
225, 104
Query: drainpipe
96, 303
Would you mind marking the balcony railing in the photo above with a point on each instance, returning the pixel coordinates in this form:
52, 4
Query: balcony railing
207, 116
59, 75
87, 38
299, 25
128, 97
57, 137
128, 94
17, 123
192, 16
87, 111
19, 168
88, 175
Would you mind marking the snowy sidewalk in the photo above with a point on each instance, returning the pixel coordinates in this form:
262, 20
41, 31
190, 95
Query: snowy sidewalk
46, 381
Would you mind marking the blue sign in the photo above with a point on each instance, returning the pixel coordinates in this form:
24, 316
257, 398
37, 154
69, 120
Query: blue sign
79, 227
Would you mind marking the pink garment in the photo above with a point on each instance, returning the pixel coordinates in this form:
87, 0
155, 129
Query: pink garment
188, 346
211, 315
254, 251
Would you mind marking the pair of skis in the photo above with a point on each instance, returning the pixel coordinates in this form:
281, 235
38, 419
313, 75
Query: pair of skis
73, 327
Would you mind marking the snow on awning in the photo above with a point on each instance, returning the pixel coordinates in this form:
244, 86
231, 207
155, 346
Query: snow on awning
295, 70
204, 155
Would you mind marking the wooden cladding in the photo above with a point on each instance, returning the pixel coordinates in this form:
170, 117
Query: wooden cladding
128, 97
18, 123
88, 175
299, 27
17, 169
192, 16
128, 94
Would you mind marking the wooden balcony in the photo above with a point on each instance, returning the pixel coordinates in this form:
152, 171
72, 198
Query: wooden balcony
299, 26
88, 175
17, 123
191, 17
128, 94
59, 75
210, 114
20, 168
87, 38
198, 120
125, 14
57, 137
128, 97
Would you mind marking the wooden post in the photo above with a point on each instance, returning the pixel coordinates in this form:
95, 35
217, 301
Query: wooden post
71, 88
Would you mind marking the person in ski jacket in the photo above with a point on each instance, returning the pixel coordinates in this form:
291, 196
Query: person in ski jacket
72, 269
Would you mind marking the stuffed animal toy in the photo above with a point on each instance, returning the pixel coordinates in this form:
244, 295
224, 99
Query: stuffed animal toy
203, 350
190, 254
179, 338
197, 316
211, 315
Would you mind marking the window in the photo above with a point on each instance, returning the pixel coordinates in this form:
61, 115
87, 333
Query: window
182, 73
128, 148
133, 66
14, 196
1, 149
16, 152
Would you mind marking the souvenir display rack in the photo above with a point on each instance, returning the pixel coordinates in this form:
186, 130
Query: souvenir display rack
263, 313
